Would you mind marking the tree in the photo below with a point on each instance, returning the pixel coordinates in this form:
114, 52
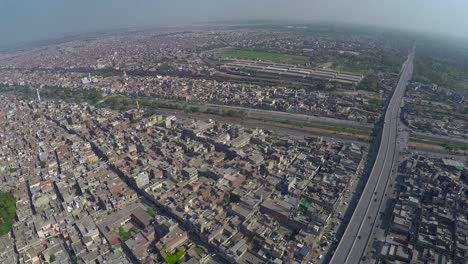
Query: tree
174, 258
74, 259
234, 198
124, 236
134, 230
369, 83
151, 212
425, 127
52, 258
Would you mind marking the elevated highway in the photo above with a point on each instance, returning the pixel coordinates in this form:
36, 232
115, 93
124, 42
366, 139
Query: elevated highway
359, 230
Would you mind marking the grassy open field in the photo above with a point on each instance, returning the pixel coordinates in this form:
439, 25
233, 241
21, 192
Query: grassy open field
264, 56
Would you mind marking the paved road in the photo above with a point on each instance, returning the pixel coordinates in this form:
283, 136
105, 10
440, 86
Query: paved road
359, 230
374, 245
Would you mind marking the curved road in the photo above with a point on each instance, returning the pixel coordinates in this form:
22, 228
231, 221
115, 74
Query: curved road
359, 229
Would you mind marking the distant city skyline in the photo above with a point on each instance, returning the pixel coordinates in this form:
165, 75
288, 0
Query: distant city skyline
27, 21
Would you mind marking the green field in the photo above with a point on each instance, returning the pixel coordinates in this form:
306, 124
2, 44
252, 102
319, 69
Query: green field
264, 56
7, 212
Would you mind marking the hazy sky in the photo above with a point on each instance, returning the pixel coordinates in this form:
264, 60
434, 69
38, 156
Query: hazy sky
29, 20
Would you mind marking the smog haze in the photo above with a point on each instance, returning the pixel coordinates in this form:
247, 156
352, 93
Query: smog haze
26, 21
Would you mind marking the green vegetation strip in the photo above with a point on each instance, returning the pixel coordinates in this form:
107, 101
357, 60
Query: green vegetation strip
151, 105
447, 146
120, 103
7, 212
264, 56
341, 130
359, 134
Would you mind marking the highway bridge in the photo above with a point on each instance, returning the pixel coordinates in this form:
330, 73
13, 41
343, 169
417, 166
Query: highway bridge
359, 230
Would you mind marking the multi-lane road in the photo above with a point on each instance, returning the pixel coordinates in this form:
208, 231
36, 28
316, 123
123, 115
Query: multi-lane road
359, 230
